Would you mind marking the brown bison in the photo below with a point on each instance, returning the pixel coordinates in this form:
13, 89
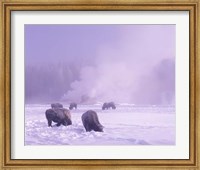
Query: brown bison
59, 116
108, 106
72, 106
56, 105
91, 122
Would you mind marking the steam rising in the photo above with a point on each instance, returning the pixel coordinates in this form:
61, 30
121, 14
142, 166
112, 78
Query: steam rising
137, 66
133, 71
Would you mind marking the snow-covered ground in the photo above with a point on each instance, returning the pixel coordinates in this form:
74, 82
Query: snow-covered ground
127, 125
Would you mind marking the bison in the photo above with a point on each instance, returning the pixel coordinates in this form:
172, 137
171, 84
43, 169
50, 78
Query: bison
91, 122
72, 106
108, 106
56, 105
59, 116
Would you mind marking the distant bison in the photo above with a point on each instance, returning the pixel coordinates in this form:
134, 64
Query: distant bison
72, 106
91, 122
108, 106
56, 105
59, 116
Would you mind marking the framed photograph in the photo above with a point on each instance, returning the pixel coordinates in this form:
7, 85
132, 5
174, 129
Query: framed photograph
102, 84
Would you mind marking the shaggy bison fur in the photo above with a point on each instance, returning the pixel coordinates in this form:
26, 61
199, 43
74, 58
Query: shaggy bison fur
72, 106
108, 106
59, 116
91, 122
56, 105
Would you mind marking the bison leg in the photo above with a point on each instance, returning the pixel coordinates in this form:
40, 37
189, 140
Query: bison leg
64, 123
87, 128
58, 124
49, 123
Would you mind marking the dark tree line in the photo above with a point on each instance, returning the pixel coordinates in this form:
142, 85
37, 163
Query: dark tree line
49, 82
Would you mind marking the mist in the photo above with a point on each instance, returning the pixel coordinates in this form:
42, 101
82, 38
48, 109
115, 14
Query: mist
99, 63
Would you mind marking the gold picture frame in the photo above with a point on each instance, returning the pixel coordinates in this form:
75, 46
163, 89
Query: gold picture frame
7, 6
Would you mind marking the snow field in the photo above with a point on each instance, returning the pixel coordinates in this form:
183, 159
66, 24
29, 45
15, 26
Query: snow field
127, 125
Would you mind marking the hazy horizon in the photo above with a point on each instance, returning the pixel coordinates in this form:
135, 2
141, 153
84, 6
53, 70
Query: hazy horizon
92, 63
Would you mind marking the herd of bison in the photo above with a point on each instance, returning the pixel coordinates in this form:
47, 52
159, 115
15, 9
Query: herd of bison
90, 120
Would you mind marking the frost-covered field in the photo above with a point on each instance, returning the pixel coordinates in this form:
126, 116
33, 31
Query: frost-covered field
127, 125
